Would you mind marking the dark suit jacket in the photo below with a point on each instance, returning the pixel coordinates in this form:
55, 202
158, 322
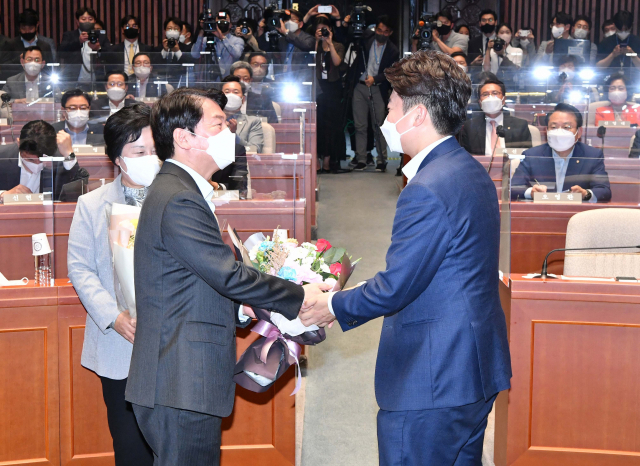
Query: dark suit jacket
474, 132
586, 169
152, 89
235, 176
261, 105
100, 107
188, 286
95, 134
15, 86
10, 172
635, 148
113, 56
14, 47
70, 48
475, 47
444, 336
390, 55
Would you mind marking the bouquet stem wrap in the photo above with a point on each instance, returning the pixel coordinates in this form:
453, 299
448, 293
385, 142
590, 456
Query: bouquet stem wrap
272, 334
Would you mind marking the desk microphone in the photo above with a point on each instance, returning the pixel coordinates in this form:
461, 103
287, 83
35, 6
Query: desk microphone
500, 134
602, 130
543, 273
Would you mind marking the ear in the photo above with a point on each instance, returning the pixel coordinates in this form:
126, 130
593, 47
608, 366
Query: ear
579, 133
183, 138
421, 116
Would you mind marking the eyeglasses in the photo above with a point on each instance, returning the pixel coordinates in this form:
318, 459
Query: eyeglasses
33, 60
257, 65
73, 108
567, 126
484, 95
485, 20
116, 84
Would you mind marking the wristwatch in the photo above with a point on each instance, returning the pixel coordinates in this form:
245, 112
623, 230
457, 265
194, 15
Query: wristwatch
588, 196
71, 156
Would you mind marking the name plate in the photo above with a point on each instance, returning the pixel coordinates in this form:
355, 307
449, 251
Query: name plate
557, 198
230, 195
575, 51
4, 122
89, 150
619, 124
22, 199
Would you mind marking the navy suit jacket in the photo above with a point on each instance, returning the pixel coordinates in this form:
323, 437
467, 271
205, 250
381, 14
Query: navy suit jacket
444, 337
586, 169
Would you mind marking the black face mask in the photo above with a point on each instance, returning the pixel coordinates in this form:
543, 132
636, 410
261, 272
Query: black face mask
86, 26
28, 36
443, 30
131, 33
224, 26
381, 38
487, 28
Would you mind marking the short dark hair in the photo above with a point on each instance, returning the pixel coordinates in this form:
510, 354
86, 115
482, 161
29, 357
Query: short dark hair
460, 54
445, 14
566, 108
576, 60
116, 71
32, 48
488, 11
436, 81
563, 18
584, 18
28, 18
258, 54
460, 26
608, 22
32, 12
141, 54
297, 13
495, 81
234, 79
181, 108
172, 19
74, 93
126, 19
188, 27
615, 77
39, 138
88, 10
384, 19
123, 127
623, 18
100, 23
502, 25
321, 20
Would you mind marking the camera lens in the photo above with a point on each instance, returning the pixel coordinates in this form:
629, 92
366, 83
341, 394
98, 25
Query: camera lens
244, 30
426, 34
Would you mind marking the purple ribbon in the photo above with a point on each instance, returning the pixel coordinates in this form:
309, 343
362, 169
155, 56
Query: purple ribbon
271, 334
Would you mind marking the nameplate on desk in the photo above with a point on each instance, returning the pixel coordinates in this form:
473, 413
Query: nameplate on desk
230, 195
87, 149
4, 122
21, 199
557, 198
619, 124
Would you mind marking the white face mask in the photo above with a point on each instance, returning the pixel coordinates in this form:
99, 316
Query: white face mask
580, 33
32, 69
618, 97
622, 35
570, 74
291, 26
234, 102
505, 37
609, 33
77, 118
391, 134
172, 34
561, 139
491, 105
183, 38
116, 93
463, 67
142, 170
557, 31
142, 72
524, 42
222, 148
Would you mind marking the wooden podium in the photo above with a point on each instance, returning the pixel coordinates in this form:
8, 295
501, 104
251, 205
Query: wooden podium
575, 391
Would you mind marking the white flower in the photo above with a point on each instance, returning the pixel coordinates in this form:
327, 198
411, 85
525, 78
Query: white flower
298, 253
254, 252
325, 268
309, 246
307, 261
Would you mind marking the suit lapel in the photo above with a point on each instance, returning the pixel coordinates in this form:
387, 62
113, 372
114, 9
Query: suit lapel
479, 135
169, 168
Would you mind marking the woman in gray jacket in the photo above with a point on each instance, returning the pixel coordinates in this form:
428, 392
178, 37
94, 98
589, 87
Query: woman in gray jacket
110, 331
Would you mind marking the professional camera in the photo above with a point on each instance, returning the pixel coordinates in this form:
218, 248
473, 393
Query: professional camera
223, 24
243, 27
209, 21
171, 43
272, 17
359, 20
498, 44
424, 36
325, 32
93, 36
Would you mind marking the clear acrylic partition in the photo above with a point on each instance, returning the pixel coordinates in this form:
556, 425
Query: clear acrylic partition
26, 212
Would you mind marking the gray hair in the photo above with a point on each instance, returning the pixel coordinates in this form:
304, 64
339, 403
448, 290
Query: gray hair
241, 65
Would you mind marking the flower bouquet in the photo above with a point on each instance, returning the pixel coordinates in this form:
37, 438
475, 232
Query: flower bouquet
269, 357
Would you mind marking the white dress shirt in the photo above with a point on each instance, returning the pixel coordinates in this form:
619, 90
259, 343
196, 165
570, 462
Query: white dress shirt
142, 88
31, 88
114, 109
30, 173
488, 147
514, 54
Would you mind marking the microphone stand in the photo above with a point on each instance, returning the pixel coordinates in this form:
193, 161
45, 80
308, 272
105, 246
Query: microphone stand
543, 273
500, 134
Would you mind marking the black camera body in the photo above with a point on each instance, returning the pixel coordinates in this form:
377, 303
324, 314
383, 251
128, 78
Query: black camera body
243, 27
498, 44
359, 20
171, 43
273, 16
424, 36
325, 32
93, 36
208, 21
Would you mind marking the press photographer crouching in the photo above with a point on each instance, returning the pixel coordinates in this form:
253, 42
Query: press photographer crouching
22, 172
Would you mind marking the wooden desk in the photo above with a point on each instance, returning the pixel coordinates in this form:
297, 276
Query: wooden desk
51, 408
575, 385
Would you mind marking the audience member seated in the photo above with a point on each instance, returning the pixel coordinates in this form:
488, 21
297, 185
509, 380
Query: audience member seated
234, 176
248, 129
526, 41
563, 164
117, 88
608, 28
32, 83
581, 30
75, 48
122, 54
38, 138
568, 67
560, 29
477, 49
257, 103
144, 79
507, 59
171, 59
635, 147
461, 59
260, 65
445, 39
613, 50
618, 110
479, 135
229, 48
75, 109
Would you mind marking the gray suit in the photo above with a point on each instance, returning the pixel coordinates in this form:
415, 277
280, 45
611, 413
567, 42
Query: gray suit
105, 351
95, 136
15, 86
249, 132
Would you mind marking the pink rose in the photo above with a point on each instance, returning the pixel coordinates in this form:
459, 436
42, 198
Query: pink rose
335, 268
323, 245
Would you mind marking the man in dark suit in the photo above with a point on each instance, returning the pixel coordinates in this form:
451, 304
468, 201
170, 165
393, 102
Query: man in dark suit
171, 58
236, 175
562, 164
142, 86
372, 89
189, 288
116, 84
30, 175
75, 48
76, 105
121, 55
487, 22
479, 134
32, 80
443, 354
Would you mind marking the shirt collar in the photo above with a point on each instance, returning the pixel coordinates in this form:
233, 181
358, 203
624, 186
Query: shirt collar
30, 44
499, 119
411, 168
556, 157
113, 107
68, 130
203, 185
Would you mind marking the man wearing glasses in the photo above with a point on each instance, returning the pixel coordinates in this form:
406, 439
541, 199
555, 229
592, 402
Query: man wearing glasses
563, 164
117, 87
144, 86
31, 84
479, 135
75, 109
478, 44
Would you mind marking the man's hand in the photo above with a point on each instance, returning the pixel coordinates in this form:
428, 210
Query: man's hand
335, 14
65, 147
549, 49
477, 60
84, 36
233, 125
312, 12
282, 29
125, 326
20, 189
319, 314
369, 81
539, 188
218, 33
435, 34
616, 51
312, 292
578, 189
248, 311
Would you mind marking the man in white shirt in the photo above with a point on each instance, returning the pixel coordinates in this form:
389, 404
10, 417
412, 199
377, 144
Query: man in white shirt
144, 85
560, 29
76, 105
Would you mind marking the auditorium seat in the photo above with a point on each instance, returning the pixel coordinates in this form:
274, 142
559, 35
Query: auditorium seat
536, 139
591, 119
269, 133
278, 109
603, 228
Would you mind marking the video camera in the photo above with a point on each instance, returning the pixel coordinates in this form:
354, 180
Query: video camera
424, 36
208, 20
272, 17
359, 20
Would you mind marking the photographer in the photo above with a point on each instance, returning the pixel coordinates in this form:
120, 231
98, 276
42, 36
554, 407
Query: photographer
173, 53
568, 67
525, 40
244, 30
500, 54
371, 93
186, 36
487, 21
228, 48
339, 27
612, 51
560, 29
445, 39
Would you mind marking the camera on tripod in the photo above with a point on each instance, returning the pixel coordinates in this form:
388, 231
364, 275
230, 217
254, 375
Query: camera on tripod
359, 20
93, 36
424, 35
273, 16
498, 44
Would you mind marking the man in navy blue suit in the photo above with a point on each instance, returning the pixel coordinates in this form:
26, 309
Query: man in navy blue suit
443, 354
562, 164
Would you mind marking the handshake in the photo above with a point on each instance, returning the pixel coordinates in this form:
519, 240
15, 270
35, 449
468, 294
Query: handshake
315, 307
